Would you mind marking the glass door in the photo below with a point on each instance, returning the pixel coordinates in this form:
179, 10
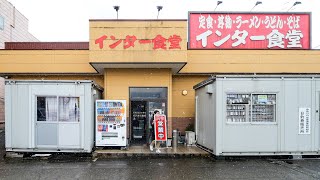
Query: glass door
139, 121
143, 102
47, 122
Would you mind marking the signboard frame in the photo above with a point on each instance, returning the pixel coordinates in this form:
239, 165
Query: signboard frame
248, 13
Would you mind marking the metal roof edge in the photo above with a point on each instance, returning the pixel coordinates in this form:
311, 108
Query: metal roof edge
205, 82
15, 81
270, 76
273, 76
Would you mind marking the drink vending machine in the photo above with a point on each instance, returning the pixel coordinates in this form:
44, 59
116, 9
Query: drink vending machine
111, 129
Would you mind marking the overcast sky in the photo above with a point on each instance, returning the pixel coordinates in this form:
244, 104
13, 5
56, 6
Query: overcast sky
68, 20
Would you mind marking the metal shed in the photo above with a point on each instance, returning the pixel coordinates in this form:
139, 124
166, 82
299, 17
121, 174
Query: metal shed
258, 114
50, 116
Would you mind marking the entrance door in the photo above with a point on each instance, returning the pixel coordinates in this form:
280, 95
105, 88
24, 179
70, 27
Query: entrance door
139, 121
47, 124
143, 102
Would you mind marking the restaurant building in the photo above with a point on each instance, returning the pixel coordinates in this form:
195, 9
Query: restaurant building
152, 65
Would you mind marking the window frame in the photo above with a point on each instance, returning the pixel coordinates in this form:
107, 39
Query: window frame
58, 117
249, 106
57, 107
45, 96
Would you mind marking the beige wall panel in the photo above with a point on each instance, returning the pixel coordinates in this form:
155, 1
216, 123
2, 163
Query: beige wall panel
140, 52
183, 106
118, 81
45, 61
252, 61
138, 56
46, 68
96, 78
251, 68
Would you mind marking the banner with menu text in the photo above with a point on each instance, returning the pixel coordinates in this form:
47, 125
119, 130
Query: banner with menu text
208, 30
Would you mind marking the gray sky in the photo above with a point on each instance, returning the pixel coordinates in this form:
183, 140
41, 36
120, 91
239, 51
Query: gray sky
68, 20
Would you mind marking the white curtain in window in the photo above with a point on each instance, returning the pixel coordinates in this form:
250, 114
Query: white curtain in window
51, 108
69, 109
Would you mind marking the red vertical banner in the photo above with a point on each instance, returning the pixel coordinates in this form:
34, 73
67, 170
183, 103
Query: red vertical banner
160, 127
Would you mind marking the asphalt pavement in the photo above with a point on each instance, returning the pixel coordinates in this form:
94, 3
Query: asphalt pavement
157, 168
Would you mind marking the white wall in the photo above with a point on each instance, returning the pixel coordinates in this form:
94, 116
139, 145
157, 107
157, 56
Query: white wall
15, 25
206, 117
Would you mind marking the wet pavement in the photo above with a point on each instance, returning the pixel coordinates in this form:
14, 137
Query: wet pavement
157, 168
144, 150
2, 144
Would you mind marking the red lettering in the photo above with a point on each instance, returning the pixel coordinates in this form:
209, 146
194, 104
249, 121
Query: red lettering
112, 46
174, 42
100, 41
129, 41
159, 42
144, 41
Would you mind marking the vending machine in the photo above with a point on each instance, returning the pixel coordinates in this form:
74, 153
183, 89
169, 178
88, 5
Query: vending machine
111, 127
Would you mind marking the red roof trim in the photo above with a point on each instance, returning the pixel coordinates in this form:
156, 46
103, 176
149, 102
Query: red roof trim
47, 45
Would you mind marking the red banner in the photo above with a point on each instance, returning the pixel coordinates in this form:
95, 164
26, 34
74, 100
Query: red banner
160, 127
249, 31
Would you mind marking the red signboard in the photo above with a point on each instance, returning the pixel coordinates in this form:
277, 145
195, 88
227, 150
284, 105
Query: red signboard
160, 127
249, 31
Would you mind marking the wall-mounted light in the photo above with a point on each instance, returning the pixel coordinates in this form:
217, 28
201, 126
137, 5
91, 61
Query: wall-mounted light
218, 3
117, 9
184, 92
294, 4
257, 3
159, 8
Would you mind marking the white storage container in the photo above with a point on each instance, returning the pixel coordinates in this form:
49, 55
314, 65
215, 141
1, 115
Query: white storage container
259, 115
50, 116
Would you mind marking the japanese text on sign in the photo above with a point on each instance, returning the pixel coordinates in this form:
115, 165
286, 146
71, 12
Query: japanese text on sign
158, 42
160, 128
304, 120
249, 31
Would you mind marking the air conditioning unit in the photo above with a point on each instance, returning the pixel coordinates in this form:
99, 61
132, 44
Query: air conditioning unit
190, 138
209, 89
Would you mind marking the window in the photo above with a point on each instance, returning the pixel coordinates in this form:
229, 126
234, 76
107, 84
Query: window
263, 107
1, 23
47, 109
148, 93
69, 109
251, 108
238, 107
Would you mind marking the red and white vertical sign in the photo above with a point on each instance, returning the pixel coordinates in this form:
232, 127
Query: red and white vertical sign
249, 30
160, 127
